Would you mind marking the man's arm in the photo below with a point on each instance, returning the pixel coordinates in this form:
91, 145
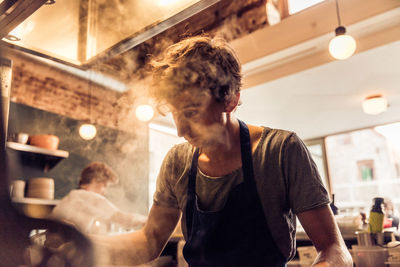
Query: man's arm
141, 246
129, 220
321, 227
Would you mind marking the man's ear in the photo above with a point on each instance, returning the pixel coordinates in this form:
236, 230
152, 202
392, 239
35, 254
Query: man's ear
232, 103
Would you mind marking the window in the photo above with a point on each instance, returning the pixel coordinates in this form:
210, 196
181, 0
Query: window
298, 5
317, 151
364, 164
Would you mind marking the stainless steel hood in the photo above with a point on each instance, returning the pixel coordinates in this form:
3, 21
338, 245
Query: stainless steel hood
83, 32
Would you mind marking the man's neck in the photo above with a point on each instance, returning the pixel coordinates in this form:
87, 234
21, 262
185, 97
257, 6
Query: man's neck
227, 143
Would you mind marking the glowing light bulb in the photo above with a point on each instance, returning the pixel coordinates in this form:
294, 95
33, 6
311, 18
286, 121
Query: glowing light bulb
87, 131
374, 104
144, 112
342, 46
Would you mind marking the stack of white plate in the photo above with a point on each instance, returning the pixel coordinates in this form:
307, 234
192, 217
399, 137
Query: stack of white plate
41, 188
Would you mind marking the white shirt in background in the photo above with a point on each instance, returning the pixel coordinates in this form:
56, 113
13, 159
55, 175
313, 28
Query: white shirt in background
92, 213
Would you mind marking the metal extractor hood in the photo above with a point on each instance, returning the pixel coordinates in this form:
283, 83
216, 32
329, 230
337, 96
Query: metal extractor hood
83, 32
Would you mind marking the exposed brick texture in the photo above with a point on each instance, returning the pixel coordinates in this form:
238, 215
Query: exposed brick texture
44, 87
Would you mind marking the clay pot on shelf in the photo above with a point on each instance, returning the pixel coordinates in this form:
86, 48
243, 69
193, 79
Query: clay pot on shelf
47, 141
41, 188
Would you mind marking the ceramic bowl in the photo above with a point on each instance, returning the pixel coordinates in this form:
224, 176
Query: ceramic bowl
47, 141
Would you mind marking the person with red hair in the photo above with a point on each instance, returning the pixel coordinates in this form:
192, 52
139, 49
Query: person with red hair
88, 210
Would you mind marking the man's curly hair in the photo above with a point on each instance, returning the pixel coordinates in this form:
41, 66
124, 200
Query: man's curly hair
197, 63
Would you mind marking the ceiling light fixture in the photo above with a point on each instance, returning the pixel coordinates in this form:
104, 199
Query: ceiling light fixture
374, 104
342, 46
87, 130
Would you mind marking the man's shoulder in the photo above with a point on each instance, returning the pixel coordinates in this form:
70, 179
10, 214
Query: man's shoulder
276, 136
180, 151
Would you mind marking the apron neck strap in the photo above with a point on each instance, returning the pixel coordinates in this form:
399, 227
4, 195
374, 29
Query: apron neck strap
247, 160
247, 166
193, 173
245, 149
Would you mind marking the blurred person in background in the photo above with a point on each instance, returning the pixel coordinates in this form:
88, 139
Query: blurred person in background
87, 208
237, 187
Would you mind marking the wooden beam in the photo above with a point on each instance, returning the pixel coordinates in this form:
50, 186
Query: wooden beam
306, 25
320, 57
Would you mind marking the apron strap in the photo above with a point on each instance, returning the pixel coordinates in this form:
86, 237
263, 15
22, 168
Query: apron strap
247, 163
191, 191
245, 149
248, 173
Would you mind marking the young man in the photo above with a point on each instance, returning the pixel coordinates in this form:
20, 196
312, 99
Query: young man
238, 187
87, 208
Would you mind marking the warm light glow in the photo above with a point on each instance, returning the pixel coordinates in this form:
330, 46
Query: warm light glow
342, 46
87, 131
167, 2
374, 104
21, 30
273, 15
144, 112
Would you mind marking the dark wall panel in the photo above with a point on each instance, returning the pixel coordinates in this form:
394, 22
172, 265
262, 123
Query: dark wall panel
126, 153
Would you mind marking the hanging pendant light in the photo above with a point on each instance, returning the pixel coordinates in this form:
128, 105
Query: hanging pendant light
342, 46
87, 130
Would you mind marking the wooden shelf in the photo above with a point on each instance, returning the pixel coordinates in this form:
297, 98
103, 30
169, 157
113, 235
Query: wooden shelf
36, 201
35, 207
36, 156
37, 150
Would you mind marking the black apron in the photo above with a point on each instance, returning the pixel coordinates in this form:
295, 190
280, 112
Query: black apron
236, 235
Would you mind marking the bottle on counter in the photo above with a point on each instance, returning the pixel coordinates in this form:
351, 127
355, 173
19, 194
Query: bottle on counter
334, 209
376, 216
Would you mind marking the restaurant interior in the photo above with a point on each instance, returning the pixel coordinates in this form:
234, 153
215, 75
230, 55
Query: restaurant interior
74, 83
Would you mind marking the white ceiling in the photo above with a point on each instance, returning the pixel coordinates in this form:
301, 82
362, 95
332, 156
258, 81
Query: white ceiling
327, 99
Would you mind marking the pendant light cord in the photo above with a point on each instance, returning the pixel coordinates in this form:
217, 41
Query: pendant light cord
90, 97
337, 12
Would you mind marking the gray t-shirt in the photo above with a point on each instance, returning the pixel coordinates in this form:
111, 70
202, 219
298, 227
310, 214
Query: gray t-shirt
287, 180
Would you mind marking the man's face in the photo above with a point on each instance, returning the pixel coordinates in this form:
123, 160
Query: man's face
197, 117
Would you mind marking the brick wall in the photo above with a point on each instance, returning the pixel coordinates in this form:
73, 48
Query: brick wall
39, 85
122, 142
